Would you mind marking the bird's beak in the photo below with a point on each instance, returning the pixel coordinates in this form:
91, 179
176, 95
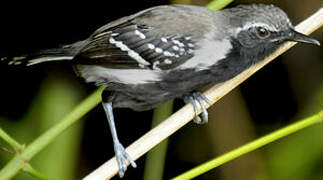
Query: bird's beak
299, 37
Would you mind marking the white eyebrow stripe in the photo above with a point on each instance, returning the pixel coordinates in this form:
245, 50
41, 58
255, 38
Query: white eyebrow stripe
259, 24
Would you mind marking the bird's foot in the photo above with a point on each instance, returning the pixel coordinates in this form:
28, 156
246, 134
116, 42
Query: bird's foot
122, 157
199, 97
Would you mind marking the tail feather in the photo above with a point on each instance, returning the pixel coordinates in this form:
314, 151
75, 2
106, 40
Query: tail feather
46, 59
64, 53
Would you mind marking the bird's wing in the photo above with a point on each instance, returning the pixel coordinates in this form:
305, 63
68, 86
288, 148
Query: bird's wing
147, 39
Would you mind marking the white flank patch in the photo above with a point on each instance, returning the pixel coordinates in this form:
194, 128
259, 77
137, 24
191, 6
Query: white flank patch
103, 75
210, 53
131, 53
140, 34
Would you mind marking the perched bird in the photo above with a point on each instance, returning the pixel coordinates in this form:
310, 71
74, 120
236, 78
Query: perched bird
167, 52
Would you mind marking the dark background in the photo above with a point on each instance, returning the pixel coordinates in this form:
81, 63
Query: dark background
282, 92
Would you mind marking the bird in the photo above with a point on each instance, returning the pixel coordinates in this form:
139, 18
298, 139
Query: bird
169, 51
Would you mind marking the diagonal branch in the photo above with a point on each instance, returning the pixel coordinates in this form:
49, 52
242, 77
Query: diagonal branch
14, 165
309, 121
18, 148
184, 115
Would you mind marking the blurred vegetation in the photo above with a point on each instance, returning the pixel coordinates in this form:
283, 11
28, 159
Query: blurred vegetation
299, 156
235, 120
54, 100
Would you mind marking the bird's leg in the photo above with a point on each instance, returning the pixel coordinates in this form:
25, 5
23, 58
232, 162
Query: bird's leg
199, 97
120, 153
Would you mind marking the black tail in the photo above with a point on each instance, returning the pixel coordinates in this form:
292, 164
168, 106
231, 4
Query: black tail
66, 52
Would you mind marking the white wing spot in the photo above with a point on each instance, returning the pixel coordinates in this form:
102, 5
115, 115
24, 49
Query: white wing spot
167, 61
178, 43
190, 45
176, 48
114, 34
158, 50
151, 46
140, 34
164, 40
131, 53
167, 53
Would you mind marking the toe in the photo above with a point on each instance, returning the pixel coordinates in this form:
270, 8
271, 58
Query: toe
197, 120
132, 162
122, 165
202, 96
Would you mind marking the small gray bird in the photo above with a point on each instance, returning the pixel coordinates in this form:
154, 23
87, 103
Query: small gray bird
166, 52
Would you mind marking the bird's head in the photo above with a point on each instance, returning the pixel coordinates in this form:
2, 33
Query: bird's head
260, 29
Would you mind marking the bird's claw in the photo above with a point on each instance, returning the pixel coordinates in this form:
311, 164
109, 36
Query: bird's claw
199, 97
122, 157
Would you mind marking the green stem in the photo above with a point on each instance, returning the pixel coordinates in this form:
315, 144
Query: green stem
18, 147
13, 143
80, 110
14, 165
218, 4
30, 170
315, 119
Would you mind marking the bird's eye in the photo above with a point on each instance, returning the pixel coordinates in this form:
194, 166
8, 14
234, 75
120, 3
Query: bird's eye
262, 32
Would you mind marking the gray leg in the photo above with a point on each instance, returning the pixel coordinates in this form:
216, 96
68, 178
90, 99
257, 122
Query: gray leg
199, 97
121, 155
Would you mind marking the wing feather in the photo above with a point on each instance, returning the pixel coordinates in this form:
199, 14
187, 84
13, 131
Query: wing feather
143, 40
